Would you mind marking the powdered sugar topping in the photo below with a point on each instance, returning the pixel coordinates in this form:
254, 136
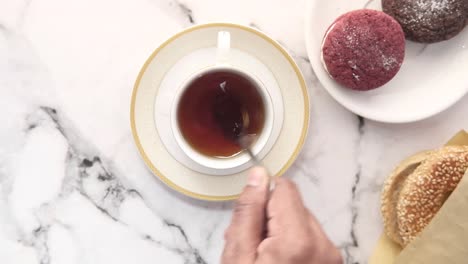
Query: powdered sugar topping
389, 62
432, 5
422, 11
352, 41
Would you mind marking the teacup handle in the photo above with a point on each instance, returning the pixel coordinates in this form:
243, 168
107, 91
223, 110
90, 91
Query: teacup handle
224, 47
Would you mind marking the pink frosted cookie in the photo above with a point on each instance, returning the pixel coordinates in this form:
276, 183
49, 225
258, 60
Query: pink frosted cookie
363, 49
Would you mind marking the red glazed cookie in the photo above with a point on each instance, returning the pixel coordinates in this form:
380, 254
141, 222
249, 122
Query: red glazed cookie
363, 49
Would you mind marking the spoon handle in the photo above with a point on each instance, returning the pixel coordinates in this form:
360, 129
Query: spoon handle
257, 162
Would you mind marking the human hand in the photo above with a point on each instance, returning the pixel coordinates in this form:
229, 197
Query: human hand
278, 230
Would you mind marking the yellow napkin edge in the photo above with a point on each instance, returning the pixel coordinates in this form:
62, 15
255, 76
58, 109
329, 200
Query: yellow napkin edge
386, 251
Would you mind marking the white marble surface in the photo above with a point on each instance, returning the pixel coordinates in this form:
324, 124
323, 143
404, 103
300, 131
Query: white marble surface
72, 186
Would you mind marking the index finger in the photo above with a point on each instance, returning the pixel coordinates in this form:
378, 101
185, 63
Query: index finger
285, 208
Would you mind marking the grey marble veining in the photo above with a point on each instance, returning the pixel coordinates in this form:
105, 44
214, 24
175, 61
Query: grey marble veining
73, 188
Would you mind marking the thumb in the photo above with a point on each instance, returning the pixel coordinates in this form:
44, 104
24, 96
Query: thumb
248, 220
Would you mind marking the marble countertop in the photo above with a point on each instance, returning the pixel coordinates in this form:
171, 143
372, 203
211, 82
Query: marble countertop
73, 188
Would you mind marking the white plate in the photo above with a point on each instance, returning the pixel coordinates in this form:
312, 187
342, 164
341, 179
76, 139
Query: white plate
149, 87
432, 78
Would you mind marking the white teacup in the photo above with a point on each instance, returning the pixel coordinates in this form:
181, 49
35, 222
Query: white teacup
203, 61
224, 163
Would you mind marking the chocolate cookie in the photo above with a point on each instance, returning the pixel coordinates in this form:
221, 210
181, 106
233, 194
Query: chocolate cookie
363, 49
428, 21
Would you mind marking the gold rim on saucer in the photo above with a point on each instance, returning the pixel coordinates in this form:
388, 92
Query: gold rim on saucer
136, 138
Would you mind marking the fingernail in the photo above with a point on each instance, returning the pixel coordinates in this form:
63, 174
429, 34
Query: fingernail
257, 176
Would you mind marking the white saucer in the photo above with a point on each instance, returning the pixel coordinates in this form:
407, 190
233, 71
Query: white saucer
200, 60
432, 77
151, 94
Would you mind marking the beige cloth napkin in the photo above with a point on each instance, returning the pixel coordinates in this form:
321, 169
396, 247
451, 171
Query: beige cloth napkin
444, 240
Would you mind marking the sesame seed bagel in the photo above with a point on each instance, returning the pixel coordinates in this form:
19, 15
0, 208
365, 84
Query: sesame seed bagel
426, 189
391, 192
